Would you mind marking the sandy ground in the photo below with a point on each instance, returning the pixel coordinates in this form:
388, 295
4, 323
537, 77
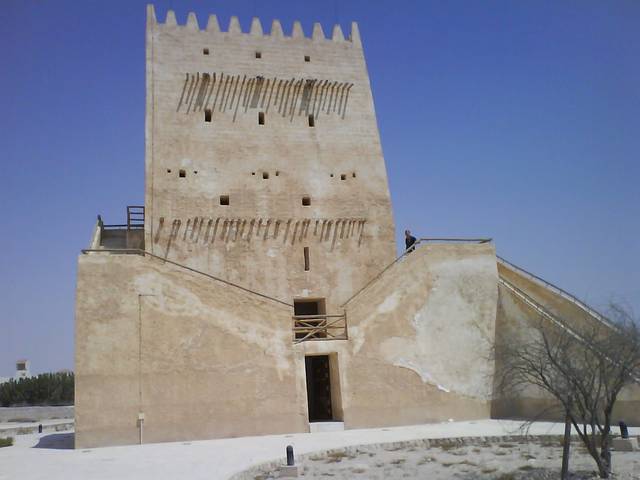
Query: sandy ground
49, 456
503, 461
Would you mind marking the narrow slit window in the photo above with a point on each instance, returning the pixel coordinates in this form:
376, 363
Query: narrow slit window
343, 177
353, 174
307, 58
277, 173
306, 259
312, 120
258, 54
306, 201
260, 118
265, 175
182, 173
207, 115
205, 51
224, 200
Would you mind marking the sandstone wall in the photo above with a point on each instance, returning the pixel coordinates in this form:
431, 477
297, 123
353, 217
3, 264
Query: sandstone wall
514, 324
420, 339
203, 359
199, 358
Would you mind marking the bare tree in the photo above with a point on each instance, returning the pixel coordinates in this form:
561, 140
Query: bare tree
583, 367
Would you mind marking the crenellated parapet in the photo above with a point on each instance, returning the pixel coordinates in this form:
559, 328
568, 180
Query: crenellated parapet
256, 29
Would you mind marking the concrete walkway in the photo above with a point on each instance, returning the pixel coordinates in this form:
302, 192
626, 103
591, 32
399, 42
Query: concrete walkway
215, 459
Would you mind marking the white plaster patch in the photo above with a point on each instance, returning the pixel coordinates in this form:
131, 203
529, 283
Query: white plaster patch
405, 363
179, 300
390, 303
272, 253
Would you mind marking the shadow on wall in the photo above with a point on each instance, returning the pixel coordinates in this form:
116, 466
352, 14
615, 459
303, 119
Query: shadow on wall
291, 96
57, 441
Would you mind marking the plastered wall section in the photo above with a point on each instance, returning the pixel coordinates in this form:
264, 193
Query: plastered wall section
198, 358
420, 340
258, 239
515, 322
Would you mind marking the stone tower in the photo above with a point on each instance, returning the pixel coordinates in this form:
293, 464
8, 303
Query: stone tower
263, 159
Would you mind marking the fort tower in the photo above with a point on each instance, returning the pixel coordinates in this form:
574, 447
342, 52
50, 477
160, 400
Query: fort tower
263, 158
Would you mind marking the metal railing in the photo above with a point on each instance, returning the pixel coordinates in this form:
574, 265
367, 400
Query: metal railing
319, 327
559, 291
557, 321
418, 242
135, 220
135, 216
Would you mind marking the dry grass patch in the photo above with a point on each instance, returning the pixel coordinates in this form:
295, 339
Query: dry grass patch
336, 457
427, 459
446, 447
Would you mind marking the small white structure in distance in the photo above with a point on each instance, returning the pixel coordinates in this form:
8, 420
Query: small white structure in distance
22, 371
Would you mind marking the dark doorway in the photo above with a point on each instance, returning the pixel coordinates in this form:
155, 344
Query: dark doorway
318, 388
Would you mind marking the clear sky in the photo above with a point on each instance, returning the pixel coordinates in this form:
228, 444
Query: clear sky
516, 120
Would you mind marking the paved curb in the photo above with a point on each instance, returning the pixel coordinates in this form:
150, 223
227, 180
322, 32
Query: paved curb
51, 427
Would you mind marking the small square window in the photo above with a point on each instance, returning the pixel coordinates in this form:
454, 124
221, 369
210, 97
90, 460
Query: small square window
258, 54
306, 201
182, 174
265, 175
207, 115
307, 58
353, 174
312, 120
168, 170
205, 51
224, 200
343, 177
260, 118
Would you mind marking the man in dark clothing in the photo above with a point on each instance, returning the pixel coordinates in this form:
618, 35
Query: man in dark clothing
409, 241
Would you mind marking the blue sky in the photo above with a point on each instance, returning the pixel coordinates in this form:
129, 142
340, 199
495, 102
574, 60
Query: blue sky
517, 120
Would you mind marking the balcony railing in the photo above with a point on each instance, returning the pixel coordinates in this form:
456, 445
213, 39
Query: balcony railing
128, 235
319, 327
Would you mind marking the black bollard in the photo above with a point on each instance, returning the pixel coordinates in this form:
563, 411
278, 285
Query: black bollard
290, 460
624, 431
40, 428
